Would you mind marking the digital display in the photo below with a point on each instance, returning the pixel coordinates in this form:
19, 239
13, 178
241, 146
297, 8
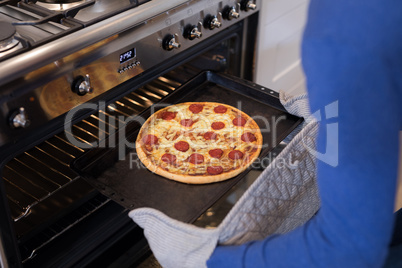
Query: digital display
128, 55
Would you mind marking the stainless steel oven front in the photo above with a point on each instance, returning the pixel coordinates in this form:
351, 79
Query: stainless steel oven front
118, 60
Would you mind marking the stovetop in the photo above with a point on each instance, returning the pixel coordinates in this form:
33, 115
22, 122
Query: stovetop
29, 23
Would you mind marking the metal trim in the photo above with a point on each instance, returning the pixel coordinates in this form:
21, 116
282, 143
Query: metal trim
3, 264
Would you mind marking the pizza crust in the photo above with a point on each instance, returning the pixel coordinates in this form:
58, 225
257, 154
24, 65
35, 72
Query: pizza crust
198, 179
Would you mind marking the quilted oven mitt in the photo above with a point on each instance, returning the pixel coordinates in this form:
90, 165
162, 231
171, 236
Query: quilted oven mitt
277, 202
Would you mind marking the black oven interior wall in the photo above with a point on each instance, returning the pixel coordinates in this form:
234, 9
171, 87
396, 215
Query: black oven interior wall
53, 216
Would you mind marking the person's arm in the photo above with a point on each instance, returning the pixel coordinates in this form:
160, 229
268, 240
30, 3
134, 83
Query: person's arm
352, 53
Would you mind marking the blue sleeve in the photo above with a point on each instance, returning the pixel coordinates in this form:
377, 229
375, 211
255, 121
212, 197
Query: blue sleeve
352, 56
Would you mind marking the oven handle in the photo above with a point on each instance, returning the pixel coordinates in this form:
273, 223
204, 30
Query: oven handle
22, 64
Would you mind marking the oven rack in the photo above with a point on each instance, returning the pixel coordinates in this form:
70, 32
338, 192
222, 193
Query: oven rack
42, 171
40, 240
28, 184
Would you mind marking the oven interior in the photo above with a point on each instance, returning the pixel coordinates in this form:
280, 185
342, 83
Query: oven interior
53, 208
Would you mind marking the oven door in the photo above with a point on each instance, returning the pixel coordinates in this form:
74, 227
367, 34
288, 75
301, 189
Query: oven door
62, 210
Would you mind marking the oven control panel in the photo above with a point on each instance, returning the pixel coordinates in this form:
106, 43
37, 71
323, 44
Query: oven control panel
196, 24
169, 34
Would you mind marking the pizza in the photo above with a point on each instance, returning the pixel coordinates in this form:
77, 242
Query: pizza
198, 142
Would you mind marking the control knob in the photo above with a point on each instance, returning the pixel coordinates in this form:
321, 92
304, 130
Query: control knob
246, 5
192, 31
231, 12
19, 119
82, 85
211, 22
170, 42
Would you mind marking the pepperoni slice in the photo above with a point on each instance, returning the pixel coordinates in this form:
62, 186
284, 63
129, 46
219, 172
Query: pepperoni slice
150, 139
182, 146
168, 158
235, 155
239, 121
168, 115
217, 125
215, 153
186, 122
220, 109
248, 137
214, 170
196, 159
196, 108
210, 135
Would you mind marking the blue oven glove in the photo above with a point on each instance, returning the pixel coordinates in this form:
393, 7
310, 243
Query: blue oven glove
277, 202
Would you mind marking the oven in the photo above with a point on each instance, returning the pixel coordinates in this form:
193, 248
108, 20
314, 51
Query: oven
71, 74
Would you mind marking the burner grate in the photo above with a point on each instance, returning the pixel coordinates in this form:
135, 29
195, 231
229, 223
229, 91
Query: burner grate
43, 21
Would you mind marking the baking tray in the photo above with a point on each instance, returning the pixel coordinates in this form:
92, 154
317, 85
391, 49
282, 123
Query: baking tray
133, 186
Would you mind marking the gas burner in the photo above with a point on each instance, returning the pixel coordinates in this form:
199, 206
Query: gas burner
7, 36
60, 5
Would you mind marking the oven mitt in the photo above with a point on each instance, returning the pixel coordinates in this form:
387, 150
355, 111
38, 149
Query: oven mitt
285, 195
296, 105
282, 198
175, 244
277, 202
